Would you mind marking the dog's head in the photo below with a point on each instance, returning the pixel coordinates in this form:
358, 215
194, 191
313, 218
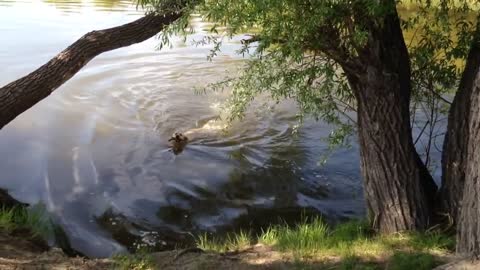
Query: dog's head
178, 137
178, 141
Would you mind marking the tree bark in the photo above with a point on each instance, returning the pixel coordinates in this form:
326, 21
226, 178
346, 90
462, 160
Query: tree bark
455, 145
399, 190
20, 95
468, 236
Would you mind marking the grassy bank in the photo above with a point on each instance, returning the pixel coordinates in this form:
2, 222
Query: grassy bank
314, 245
23, 245
28, 222
309, 245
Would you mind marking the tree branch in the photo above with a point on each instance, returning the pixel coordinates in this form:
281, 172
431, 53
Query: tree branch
20, 95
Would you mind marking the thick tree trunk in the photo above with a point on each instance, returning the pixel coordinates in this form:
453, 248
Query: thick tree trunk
468, 237
399, 191
18, 96
455, 145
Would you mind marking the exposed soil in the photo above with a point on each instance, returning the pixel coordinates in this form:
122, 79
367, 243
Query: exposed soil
17, 253
20, 252
255, 258
261, 257
460, 265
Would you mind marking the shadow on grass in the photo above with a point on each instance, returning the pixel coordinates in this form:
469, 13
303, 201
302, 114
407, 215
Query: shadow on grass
314, 245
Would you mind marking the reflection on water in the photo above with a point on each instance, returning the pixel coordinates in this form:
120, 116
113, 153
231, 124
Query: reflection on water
96, 151
78, 6
98, 5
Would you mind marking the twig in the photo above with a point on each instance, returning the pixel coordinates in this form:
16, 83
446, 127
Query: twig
421, 133
188, 250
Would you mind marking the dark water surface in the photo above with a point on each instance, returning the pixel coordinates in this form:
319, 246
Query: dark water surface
95, 152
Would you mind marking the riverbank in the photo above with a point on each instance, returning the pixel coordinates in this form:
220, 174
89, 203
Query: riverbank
309, 245
256, 257
314, 245
22, 241
395, 253
20, 253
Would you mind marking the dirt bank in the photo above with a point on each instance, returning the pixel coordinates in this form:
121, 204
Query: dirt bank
18, 253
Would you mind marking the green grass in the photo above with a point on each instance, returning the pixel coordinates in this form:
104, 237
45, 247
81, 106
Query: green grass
137, 261
21, 219
351, 238
352, 245
231, 242
418, 261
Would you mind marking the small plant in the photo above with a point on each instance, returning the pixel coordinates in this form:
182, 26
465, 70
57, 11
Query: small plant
138, 261
231, 242
34, 219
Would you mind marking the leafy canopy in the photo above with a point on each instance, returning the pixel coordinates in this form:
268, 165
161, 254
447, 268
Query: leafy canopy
298, 48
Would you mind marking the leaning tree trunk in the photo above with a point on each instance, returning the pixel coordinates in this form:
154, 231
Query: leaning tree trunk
455, 145
468, 237
20, 95
399, 190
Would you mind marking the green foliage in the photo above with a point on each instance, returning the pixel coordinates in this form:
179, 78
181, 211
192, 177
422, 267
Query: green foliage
165, 6
180, 26
439, 35
286, 61
418, 261
298, 50
33, 220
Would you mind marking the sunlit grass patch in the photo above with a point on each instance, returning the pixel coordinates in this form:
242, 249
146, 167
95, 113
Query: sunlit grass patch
137, 261
433, 242
351, 238
32, 219
304, 237
141, 259
350, 245
315, 237
231, 242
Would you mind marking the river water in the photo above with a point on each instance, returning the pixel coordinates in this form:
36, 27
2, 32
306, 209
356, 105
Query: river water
95, 152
